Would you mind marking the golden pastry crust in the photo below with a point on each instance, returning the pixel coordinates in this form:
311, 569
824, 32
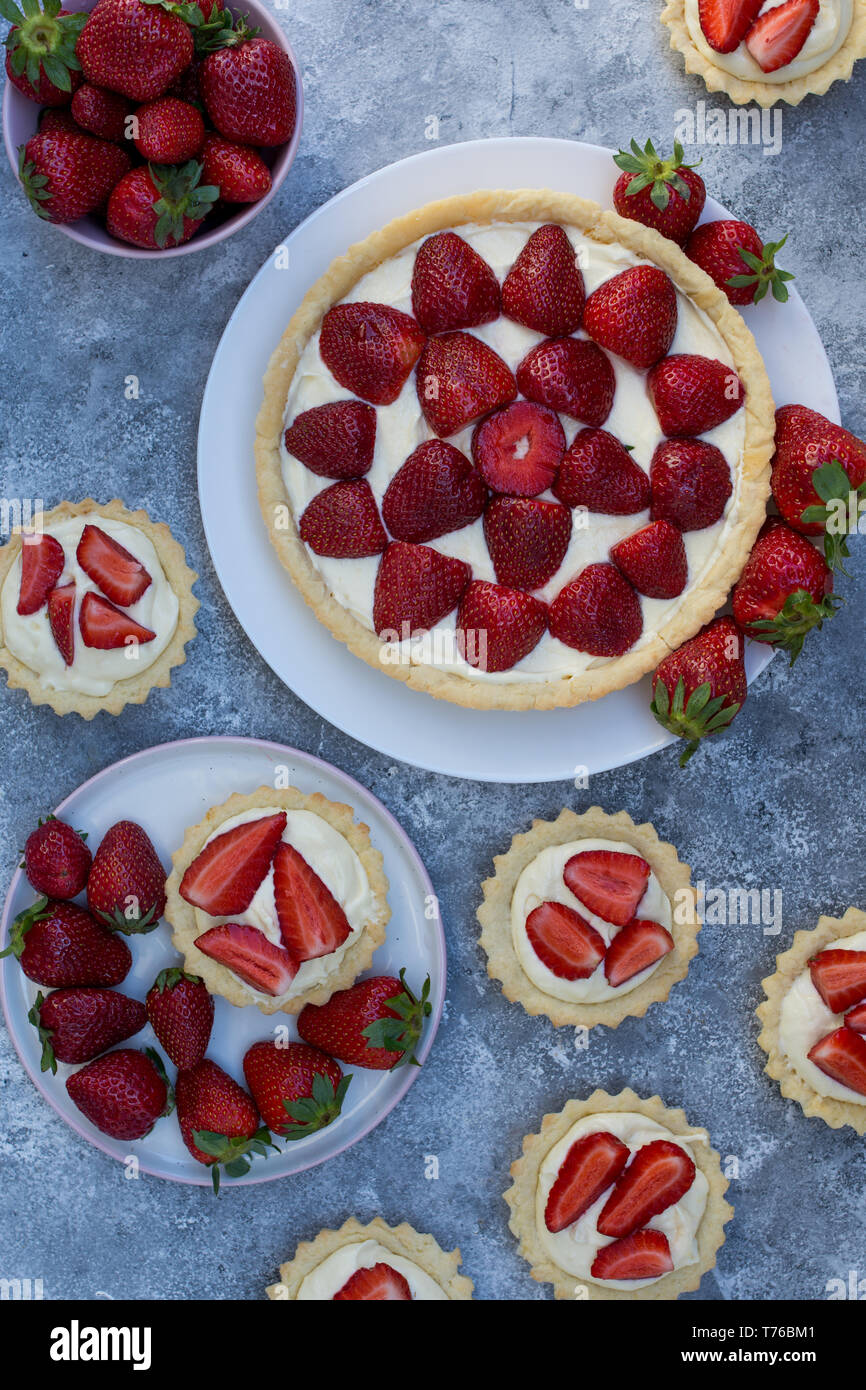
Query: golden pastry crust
424, 1251
790, 964
742, 92
607, 228
525, 1172
127, 692
182, 915
494, 915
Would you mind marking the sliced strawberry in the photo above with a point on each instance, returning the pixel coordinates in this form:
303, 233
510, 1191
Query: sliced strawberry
842, 1057
691, 482
497, 627
312, 922
598, 472
657, 1177
564, 942
544, 289
224, 877
452, 286
571, 376
434, 492
343, 521
597, 612
527, 539
248, 953
653, 560
519, 448
380, 1283
105, 627
840, 978
370, 349
693, 394
335, 440
590, 1166
608, 882
120, 576
725, 23
61, 619
459, 378
644, 1255
776, 37
416, 587
638, 946
856, 1019
42, 562
634, 314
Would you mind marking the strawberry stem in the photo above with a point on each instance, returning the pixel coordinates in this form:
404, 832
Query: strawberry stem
314, 1112
764, 273
21, 926
232, 1156
651, 170
794, 621
692, 719
401, 1034
835, 490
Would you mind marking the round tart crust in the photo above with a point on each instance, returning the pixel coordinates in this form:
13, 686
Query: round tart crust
181, 914
525, 1172
718, 79
494, 914
424, 1251
127, 692
537, 205
806, 944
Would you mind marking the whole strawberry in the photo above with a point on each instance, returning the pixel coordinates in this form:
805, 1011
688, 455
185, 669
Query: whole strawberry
376, 1024
134, 47
240, 174
170, 131
123, 1093
662, 193
56, 859
785, 589
101, 113
126, 887
40, 51
298, 1089
67, 175
158, 206
742, 265
818, 468
218, 1121
181, 1011
75, 1025
58, 944
700, 687
250, 88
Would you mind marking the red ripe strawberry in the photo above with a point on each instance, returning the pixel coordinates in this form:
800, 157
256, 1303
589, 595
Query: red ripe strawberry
813, 453
700, 687
839, 976
378, 1283
434, 492
370, 349
170, 131
518, 449
777, 36
452, 286
856, 1019
250, 89
56, 119
123, 1093
571, 376
458, 379
58, 944
590, 1166
662, 193
66, 176
101, 112
312, 922
497, 627
298, 1089
126, 884
240, 174
544, 288
375, 1024
75, 1025
218, 1121
644, 1255
638, 946
120, 576
61, 616
691, 483
842, 1057
42, 563
600, 474
134, 48
105, 627
653, 560
742, 265
564, 941
527, 539
634, 314
416, 587
657, 1177
726, 23
334, 440
180, 1010
691, 394
157, 206
343, 521
56, 859
597, 612
249, 954
225, 876
40, 51
785, 589
609, 883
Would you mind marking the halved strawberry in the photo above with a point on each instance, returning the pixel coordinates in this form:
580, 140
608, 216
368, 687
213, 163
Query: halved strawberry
416, 587
692, 394
519, 448
434, 492
571, 376
312, 922
599, 473
459, 378
527, 539
638, 946
653, 560
657, 1177
725, 23
564, 941
248, 953
343, 521
544, 289
591, 1165
379, 1283
597, 612
634, 314
335, 440
120, 576
608, 882
842, 1057
452, 286
856, 1019
370, 349
839, 976
105, 627
690, 481
224, 877
61, 619
497, 627
644, 1255
776, 37
42, 562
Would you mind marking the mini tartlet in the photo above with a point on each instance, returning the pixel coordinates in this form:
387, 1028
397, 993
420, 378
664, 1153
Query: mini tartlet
693, 1225
320, 1268
334, 853
795, 1018
531, 874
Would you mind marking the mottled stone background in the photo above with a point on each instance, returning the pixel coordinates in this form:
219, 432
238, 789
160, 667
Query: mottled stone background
777, 805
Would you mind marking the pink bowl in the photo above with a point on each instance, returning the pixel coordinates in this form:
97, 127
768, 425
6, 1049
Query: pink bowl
21, 116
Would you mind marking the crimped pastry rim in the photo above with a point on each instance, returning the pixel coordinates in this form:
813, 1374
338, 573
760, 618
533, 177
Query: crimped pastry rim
423, 1250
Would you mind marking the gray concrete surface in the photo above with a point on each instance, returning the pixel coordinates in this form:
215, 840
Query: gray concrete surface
777, 805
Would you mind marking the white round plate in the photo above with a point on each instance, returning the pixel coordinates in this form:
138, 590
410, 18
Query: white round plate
528, 746
167, 789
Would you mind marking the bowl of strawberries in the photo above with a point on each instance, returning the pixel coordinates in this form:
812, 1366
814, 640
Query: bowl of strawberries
149, 128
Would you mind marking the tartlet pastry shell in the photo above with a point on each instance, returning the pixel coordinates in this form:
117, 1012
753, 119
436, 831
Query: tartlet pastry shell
790, 964
494, 914
424, 1251
127, 692
181, 914
605, 227
521, 1198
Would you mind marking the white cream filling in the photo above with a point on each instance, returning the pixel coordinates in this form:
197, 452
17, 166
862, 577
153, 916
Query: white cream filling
329, 1277
331, 856
575, 1248
829, 32
401, 427
804, 1020
542, 882
93, 672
